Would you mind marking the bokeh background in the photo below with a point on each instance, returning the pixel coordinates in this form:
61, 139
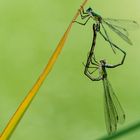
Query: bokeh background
68, 106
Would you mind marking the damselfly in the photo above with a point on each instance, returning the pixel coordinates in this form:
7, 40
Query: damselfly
119, 26
114, 113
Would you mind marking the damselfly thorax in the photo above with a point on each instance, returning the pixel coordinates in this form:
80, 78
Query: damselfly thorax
96, 18
102, 69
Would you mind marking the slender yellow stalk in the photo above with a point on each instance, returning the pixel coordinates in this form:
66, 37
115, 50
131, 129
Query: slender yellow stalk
26, 102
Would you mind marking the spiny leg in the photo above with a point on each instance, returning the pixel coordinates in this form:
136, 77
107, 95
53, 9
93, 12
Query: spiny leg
86, 72
124, 53
84, 22
92, 71
95, 60
83, 16
116, 65
82, 9
89, 66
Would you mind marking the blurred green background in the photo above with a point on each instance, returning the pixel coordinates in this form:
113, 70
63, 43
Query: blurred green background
68, 106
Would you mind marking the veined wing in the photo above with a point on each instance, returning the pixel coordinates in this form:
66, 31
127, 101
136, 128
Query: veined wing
113, 111
123, 23
110, 111
120, 31
118, 107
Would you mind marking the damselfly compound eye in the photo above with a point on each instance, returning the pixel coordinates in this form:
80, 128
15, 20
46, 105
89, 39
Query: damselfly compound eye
89, 10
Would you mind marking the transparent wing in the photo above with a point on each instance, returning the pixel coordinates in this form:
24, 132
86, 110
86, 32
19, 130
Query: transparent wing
123, 23
110, 111
120, 31
118, 107
107, 36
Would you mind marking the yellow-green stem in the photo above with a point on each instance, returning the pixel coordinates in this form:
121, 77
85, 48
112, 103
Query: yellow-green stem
26, 102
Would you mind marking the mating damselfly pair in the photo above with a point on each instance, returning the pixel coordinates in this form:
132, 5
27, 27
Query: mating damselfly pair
114, 113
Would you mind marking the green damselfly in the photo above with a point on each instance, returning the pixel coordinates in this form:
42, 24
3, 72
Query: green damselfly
114, 113
119, 26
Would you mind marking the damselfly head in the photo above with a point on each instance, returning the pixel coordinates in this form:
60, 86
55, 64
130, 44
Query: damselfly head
89, 10
94, 14
103, 62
